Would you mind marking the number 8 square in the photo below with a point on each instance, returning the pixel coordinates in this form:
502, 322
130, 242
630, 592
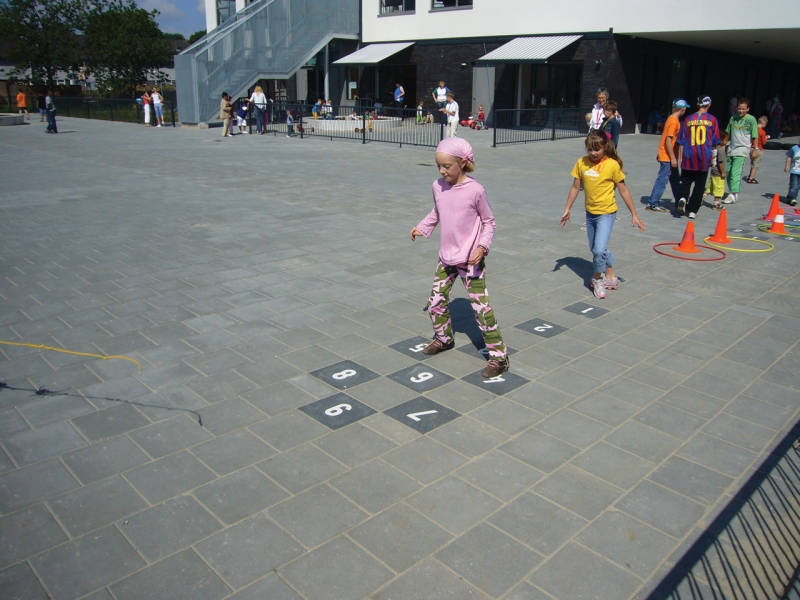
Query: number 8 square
345, 375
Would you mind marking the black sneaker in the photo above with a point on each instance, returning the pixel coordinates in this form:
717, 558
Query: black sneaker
656, 208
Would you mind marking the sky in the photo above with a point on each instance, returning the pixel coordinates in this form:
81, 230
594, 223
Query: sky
178, 16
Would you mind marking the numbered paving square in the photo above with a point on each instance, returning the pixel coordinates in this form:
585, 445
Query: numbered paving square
502, 384
412, 347
480, 352
542, 328
337, 411
586, 310
422, 414
420, 378
345, 375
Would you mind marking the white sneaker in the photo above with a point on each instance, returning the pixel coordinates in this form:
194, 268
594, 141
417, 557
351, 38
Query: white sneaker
599, 288
730, 199
682, 205
158, 125
692, 215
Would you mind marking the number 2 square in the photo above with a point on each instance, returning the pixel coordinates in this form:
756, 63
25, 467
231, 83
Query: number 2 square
541, 328
337, 411
420, 378
345, 375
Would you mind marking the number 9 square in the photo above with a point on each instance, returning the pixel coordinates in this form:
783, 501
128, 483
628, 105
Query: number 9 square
345, 375
337, 411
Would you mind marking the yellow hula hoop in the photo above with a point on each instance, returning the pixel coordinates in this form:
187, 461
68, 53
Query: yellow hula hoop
43, 347
735, 237
765, 225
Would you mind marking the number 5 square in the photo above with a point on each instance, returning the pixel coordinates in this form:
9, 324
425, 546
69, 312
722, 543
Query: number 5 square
541, 328
337, 411
420, 378
345, 375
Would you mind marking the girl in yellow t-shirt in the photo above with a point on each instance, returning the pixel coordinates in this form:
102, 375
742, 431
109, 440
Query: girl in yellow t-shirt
601, 174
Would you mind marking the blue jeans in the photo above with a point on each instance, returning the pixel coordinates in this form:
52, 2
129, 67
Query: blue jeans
51, 121
598, 228
666, 173
794, 186
259, 120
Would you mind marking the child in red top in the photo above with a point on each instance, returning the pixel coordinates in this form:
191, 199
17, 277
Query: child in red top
481, 117
758, 149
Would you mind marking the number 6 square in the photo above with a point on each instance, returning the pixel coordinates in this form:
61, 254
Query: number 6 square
337, 411
345, 375
420, 378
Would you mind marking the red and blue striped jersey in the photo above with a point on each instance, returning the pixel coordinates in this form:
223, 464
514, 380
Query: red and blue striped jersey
698, 135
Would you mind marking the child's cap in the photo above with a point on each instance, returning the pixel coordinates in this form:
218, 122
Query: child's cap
458, 147
680, 103
704, 101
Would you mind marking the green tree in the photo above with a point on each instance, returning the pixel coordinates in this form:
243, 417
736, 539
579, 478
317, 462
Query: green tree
122, 44
196, 36
42, 35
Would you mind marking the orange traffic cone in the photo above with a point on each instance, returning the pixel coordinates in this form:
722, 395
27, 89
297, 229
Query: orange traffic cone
687, 243
777, 224
721, 234
773, 209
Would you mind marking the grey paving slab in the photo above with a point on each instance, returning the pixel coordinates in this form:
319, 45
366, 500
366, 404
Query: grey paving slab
19, 583
168, 527
489, 559
355, 444
691, 480
461, 396
181, 575
663, 509
44, 411
87, 563
339, 570
643, 441
375, 485
616, 466
288, 430
25, 533
232, 451
169, 436
424, 459
229, 415
581, 493
240, 495
436, 502
541, 398
103, 459
169, 476
271, 586
540, 450
248, 550
45, 442
278, 398
573, 428
739, 432
429, 580
110, 422
717, 455
35, 483
506, 416
88, 508
301, 467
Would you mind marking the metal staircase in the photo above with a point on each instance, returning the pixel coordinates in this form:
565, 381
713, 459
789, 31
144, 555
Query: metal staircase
269, 39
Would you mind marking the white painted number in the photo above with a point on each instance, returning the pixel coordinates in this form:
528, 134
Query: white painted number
335, 411
416, 416
419, 347
583, 312
543, 327
422, 377
497, 379
737, 231
344, 374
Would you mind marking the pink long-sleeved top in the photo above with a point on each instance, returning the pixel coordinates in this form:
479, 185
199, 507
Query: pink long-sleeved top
466, 218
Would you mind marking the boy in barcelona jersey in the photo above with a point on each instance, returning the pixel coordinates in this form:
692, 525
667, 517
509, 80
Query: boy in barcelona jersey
698, 135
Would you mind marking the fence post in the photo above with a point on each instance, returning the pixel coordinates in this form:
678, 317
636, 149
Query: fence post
136, 104
441, 130
553, 117
172, 112
111, 109
364, 127
68, 108
494, 128
88, 112
302, 129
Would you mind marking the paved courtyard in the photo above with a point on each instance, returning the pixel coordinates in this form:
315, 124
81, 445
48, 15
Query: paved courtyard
279, 442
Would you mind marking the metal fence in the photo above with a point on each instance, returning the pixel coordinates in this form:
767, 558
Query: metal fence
105, 109
388, 125
520, 126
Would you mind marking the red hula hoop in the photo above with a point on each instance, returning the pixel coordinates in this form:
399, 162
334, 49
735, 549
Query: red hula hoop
688, 257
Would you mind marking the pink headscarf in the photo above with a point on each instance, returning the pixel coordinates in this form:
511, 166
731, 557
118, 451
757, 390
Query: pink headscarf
458, 147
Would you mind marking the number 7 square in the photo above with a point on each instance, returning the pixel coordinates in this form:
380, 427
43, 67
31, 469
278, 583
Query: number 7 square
422, 414
345, 375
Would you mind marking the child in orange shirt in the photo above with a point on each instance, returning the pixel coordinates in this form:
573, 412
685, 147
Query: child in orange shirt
758, 149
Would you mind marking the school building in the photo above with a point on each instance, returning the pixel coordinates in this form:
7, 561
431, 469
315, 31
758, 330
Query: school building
507, 53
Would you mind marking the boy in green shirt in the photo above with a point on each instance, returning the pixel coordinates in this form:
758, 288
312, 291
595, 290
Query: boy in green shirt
743, 131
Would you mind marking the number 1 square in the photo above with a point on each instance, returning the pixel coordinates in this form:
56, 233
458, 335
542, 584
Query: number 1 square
586, 310
422, 414
345, 375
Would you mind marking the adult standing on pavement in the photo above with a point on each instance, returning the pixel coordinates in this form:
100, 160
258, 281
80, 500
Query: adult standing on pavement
451, 110
259, 102
399, 97
698, 136
734, 102
595, 118
440, 97
41, 104
22, 104
51, 114
775, 113
225, 115
158, 106
668, 157
146, 100
743, 129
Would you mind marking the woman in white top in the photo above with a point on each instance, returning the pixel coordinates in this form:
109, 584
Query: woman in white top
595, 118
440, 97
158, 106
259, 101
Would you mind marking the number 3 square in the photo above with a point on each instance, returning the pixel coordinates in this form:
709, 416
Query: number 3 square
420, 378
345, 375
337, 411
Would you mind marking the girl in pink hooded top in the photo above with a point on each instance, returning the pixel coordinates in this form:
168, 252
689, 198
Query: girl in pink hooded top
461, 208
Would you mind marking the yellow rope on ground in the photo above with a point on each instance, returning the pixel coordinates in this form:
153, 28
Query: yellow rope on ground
735, 237
43, 347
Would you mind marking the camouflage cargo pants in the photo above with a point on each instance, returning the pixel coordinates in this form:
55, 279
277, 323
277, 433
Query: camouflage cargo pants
474, 279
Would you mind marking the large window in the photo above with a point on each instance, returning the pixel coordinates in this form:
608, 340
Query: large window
397, 6
445, 4
225, 10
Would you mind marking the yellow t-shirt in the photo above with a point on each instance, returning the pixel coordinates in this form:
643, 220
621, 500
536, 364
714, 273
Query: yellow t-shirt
599, 183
